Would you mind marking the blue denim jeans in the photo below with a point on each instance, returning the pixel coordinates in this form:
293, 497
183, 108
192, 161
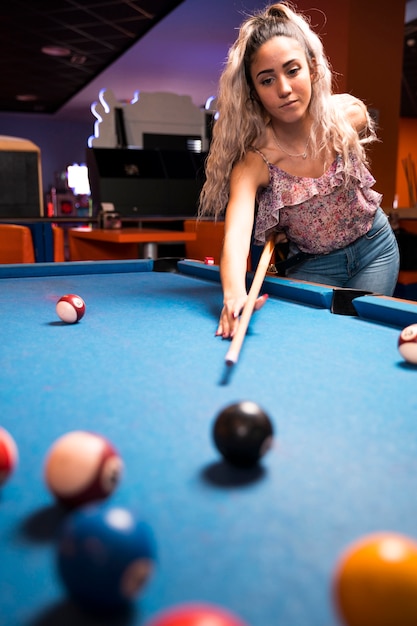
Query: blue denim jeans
370, 263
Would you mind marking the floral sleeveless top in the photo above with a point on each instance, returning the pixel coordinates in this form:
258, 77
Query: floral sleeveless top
321, 214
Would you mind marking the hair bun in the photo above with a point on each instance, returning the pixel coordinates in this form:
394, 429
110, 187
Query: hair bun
278, 11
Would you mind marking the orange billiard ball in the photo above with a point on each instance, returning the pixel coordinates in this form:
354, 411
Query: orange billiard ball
375, 581
82, 467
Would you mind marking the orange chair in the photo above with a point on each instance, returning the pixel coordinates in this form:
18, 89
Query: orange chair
16, 244
58, 243
209, 239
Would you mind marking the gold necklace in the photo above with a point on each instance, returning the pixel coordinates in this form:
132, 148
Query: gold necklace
302, 154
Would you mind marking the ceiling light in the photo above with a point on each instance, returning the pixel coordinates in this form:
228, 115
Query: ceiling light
56, 51
26, 97
78, 59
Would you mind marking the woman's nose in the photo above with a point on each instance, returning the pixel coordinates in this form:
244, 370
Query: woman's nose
284, 87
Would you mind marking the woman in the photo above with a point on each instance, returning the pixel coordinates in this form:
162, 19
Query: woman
288, 160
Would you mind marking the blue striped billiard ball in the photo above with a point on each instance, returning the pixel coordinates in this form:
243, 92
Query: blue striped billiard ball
105, 555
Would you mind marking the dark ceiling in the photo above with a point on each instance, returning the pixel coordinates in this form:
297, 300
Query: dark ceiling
95, 33
99, 32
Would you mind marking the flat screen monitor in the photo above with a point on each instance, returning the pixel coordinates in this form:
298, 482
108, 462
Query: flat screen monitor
159, 141
145, 182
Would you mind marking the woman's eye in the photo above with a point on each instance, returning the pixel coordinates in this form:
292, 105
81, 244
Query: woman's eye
267, 81
293, 71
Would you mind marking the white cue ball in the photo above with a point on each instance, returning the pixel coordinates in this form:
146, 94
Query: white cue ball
70, 308
407, 343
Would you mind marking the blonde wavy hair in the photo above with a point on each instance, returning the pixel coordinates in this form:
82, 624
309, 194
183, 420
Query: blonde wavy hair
242, 120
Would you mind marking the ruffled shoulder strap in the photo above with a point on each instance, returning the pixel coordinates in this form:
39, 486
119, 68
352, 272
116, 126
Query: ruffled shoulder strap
261, 154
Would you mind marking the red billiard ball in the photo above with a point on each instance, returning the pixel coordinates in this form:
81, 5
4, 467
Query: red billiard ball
375, 581
242, 433
70, 308
82, 467
196, 614
105, 556
407, 343
8, 455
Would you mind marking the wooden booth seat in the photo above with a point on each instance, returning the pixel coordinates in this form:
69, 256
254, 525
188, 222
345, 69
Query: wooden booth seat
16, 244
208, 242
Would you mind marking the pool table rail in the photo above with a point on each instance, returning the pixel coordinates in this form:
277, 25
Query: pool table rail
380, 309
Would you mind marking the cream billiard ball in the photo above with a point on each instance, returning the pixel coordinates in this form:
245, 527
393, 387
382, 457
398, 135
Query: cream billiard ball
407, 343
82, 467
70, 308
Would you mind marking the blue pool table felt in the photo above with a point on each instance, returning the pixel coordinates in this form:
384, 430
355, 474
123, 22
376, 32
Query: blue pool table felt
144, 369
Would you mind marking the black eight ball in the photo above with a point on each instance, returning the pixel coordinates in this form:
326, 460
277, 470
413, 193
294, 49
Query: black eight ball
242, 433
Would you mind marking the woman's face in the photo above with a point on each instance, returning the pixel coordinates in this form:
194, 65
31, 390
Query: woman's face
282, 79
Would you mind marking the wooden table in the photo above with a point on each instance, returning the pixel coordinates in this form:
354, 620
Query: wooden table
108, 244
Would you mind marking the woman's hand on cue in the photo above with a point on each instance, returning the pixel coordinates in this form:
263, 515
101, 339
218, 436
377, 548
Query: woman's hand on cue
229, 317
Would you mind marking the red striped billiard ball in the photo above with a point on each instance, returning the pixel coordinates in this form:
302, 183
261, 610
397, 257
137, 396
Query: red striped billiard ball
407, 343
8, 455
70, 308
196, 614
82, 467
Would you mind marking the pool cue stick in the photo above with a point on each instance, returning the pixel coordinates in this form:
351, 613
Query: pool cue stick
237, 341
